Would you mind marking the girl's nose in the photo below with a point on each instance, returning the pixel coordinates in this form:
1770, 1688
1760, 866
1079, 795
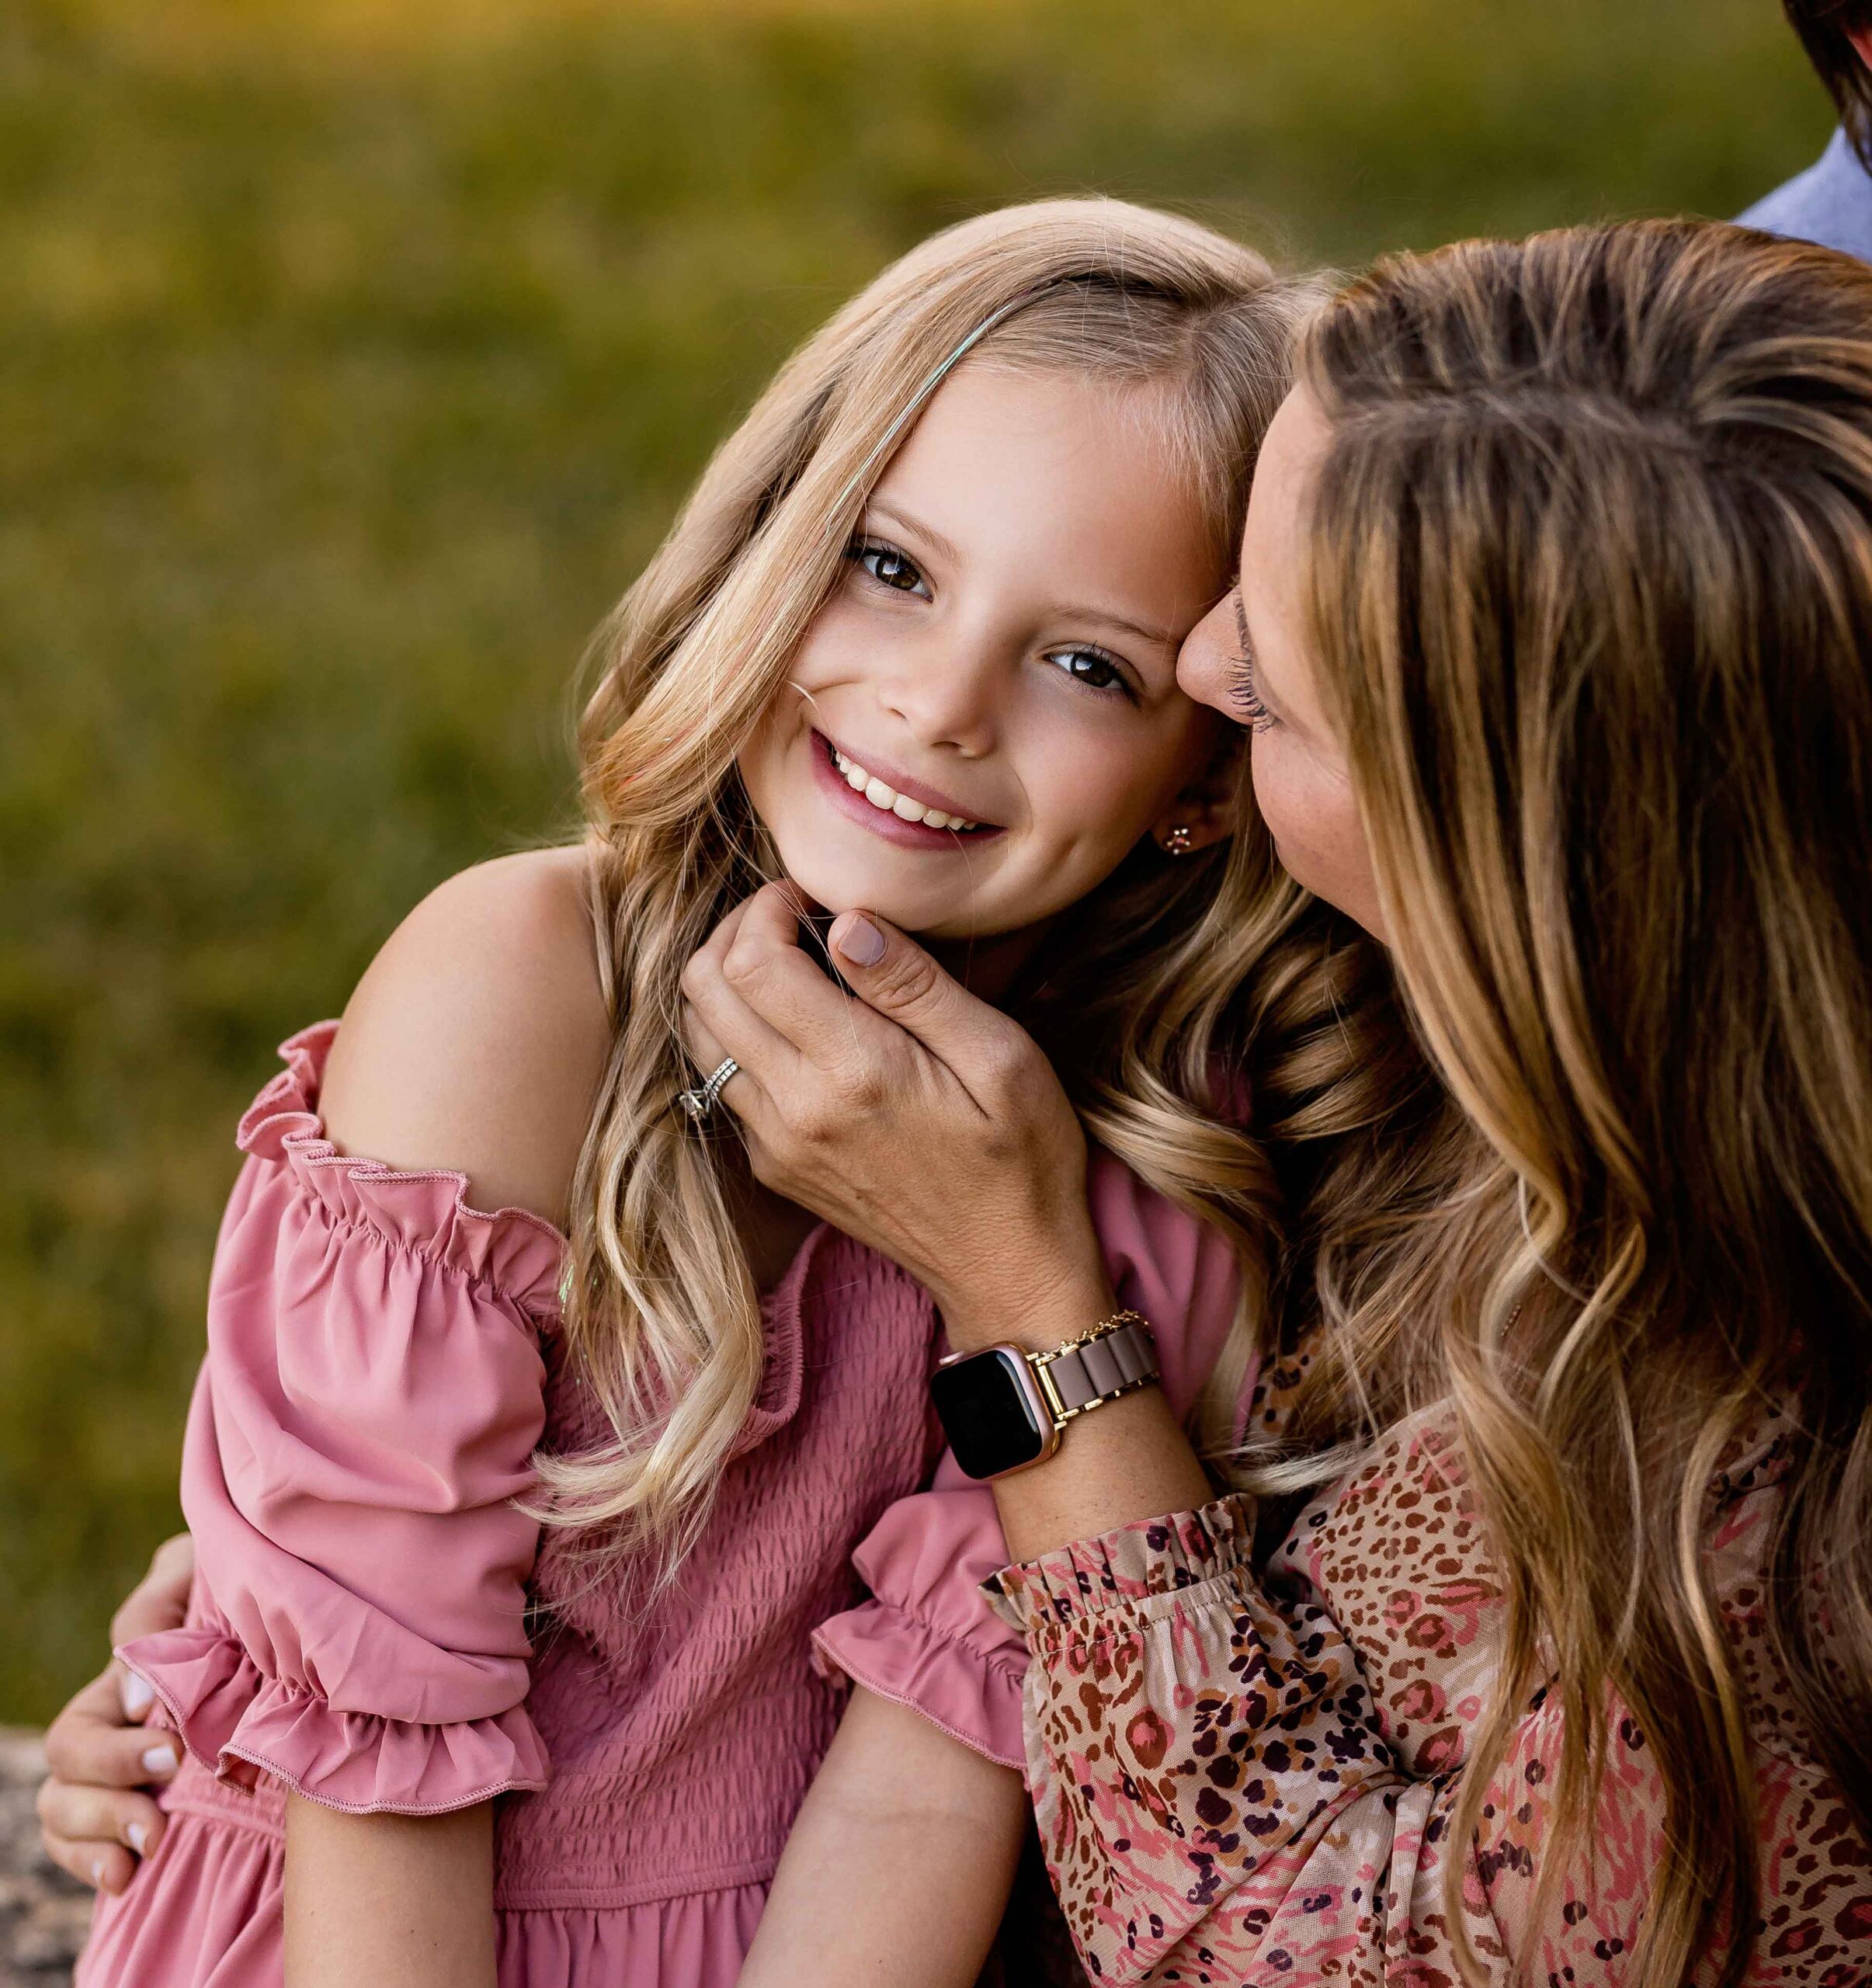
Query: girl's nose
946, 694
1206, 664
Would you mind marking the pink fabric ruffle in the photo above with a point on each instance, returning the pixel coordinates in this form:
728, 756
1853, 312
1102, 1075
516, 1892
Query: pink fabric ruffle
972, 1697
512, 1251
927, 1638
363, 1425
237, 1721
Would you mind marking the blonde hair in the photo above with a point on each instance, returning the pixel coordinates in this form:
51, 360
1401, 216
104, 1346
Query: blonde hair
661, 1311
1591, 579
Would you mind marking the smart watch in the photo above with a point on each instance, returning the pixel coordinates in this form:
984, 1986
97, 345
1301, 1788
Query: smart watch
1003, 1408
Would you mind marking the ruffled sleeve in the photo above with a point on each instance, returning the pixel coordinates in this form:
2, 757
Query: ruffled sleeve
927, 1636
372, 1394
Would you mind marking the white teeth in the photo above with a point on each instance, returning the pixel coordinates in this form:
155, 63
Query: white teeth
889, 801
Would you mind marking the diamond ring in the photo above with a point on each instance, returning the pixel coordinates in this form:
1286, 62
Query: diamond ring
700, 1102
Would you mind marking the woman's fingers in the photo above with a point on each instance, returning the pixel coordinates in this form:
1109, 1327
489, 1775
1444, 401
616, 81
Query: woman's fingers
767, 970
94, 1815
894, 974
719, 1020
105, 1867
90, 1742
88, 1818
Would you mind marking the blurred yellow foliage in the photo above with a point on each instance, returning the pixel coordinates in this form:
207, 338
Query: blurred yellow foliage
357, 353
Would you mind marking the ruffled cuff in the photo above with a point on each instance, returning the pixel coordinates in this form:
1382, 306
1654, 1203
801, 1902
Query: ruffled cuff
238, 1723
1147, 1568
973, 1695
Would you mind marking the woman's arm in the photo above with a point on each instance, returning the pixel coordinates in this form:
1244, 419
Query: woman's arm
401, 1898
845, 1104
1209, 1772
899, 1864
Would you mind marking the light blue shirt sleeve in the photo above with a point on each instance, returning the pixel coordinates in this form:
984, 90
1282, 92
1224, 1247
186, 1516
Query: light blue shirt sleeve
1830, 203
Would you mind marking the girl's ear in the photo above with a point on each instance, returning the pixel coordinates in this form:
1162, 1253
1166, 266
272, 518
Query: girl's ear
1205, 812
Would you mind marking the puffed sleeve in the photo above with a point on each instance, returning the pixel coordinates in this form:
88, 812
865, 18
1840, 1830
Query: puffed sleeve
373, 1393
926, 1636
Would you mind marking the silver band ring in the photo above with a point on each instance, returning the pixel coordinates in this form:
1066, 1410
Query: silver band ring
700, 1102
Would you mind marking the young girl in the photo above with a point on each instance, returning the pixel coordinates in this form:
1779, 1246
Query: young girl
912, 644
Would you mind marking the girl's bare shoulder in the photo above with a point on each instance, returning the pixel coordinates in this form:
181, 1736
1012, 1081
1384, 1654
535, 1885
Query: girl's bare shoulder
477, 1037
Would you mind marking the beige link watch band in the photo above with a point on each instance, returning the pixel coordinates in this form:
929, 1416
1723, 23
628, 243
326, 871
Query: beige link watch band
1116, 1355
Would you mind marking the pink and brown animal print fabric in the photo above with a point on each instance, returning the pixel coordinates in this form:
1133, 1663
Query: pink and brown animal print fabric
1245, 1777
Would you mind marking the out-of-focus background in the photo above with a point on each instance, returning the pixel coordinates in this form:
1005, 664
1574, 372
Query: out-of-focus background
352, 355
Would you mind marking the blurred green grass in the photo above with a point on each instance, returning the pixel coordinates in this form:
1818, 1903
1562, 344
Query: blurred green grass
347, 375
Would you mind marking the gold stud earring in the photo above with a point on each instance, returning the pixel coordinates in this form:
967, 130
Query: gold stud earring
1178, 841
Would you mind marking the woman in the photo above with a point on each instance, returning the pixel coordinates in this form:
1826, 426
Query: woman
1556, 598
1557, 584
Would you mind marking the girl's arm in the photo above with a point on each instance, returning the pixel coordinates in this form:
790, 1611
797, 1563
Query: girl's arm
401, 1898
453, 1054
899, 1865
366, 1419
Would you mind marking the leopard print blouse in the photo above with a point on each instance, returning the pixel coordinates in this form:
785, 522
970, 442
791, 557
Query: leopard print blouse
1246, 1776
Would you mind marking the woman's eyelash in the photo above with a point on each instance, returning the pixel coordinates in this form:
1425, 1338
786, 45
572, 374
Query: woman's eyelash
1242, 693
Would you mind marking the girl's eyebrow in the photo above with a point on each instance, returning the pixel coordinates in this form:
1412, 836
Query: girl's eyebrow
882, 507
1086, 610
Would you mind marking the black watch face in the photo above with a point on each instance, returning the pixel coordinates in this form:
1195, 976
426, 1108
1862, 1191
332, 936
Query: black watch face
986, 1415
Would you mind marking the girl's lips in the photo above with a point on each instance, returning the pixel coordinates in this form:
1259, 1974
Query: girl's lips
881, 821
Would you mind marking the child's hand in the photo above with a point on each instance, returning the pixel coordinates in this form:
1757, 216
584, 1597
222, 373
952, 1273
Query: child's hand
916, 1118
94, 1818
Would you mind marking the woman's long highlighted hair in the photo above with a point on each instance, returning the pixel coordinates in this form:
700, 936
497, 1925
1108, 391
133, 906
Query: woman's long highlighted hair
1591, 580
661, 1313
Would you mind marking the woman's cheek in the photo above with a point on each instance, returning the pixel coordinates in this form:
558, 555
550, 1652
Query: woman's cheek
1311, 812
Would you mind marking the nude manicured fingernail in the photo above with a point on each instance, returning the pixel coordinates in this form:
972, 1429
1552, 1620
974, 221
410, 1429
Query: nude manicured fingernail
139, 1835
861, 943
136, 1695
97, 1872
159, 1760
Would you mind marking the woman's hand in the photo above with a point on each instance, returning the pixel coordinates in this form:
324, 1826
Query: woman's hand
94, 1818
918, 1119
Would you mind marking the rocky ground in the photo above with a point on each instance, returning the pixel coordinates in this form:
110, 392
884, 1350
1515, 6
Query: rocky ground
43, 1913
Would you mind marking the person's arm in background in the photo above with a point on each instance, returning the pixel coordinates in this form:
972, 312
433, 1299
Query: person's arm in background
899, 1864
95, 1817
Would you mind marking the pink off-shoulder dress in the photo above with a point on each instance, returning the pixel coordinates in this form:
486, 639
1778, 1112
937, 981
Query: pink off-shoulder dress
374, 1624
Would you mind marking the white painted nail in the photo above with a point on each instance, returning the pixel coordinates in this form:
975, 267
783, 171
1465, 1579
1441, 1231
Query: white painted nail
138, 1696
159, 1760
139, 1835
97, 1872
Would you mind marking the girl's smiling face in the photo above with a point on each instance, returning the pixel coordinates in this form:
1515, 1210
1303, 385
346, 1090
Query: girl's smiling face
1000, 653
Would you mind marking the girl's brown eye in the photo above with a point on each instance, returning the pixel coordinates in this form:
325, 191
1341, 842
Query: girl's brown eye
1093, 668
888, 567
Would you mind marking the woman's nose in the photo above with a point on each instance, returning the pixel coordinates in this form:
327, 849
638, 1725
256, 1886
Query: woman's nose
1206, 664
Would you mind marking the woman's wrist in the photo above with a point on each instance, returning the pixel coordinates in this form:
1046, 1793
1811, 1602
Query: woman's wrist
1051, 1296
